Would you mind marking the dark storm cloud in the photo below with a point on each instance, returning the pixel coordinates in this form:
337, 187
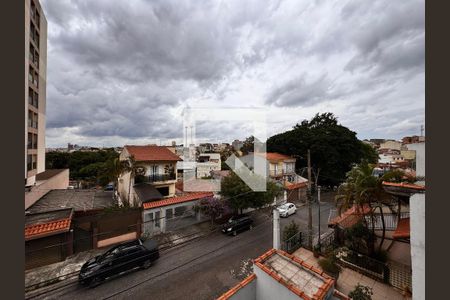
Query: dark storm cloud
300, 92
119, 69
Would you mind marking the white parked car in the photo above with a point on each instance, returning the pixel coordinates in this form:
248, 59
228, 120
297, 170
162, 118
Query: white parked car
287, 209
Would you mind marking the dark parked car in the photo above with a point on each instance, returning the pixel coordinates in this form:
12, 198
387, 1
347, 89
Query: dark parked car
237, 224
117, 260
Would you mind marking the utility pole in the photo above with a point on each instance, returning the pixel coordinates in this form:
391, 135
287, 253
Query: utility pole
318, 205
308, 194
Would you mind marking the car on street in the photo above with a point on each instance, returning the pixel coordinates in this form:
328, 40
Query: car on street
118, 260
286, 209
237, 224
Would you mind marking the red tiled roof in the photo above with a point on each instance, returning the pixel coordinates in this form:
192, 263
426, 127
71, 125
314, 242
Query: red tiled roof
329, 282
237, 287
49, 228
296, 185
274, 156
152, 153
175, 200
405, 185
403, 229
350, 217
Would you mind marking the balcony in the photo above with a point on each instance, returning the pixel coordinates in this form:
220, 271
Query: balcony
161, 177
154, 178
277, 173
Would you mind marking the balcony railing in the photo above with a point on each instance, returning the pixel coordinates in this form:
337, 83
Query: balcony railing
277, 173
161, 177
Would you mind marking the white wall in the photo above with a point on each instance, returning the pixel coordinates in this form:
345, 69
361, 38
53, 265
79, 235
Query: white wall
268, 289
417, 212
248, 292
420, 157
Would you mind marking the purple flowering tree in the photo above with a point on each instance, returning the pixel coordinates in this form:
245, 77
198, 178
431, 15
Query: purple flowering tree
213, 207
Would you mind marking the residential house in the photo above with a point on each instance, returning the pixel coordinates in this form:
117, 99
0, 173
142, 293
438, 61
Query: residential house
51, 179
157, 167
207, 162
237, 145
279, 275
391, 144
281, 169
63, 222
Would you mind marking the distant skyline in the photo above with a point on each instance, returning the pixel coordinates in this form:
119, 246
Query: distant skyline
121, 72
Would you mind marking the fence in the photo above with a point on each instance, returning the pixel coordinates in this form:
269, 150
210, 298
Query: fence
390, 220
364, 264
293, 243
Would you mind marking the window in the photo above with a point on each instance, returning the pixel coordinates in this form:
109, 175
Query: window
29, 162
30, 141
157, 219
30, 118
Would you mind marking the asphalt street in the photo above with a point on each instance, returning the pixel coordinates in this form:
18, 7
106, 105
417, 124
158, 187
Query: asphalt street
202, 269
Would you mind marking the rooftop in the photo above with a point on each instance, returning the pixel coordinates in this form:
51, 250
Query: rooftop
301, 278
349, 217
49, 173
175, 200
151, 153
47, 223
79, 200
274, 156
147, 192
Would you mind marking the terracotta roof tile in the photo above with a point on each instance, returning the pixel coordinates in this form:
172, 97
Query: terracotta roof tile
237, 287
405, 185
274, 156
49, 228
296, 185
350, 217
329, 282
176, 200
403, 229
152, 153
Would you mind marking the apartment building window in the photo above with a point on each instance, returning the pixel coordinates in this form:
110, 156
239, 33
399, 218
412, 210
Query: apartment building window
29, 162
30, 75
35, 141
30, 141
34, 157
36, 79
38, 19
33, 98
30, 118
35, 120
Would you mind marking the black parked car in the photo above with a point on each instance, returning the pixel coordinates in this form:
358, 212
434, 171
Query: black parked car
237, 224
118, 259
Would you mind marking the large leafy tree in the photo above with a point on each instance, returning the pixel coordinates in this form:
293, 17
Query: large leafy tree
240, 196
334, 148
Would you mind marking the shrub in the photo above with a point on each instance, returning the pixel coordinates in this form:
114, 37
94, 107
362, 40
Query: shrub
329, 264
361, 292
290, 230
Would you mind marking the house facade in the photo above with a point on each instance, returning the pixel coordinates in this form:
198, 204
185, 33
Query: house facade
206, 163
157, 175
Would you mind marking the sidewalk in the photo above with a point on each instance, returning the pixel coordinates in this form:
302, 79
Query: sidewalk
68, 270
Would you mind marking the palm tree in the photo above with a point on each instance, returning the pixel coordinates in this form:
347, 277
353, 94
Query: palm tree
364, 189
134, 169
114, 168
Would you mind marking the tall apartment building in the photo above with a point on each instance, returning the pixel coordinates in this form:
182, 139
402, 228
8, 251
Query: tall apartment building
35, 89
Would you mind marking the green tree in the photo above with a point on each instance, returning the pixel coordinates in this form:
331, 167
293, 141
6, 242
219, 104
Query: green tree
290, 230
334, 148
247, 146
240, 196
361, 292
364, 189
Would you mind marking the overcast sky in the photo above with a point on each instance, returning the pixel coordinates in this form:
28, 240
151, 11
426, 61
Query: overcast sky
121, 72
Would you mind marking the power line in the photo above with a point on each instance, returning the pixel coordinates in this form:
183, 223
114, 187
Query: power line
166, 249
177, 267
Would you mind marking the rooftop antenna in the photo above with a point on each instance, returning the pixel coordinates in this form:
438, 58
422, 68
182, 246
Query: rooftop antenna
421, 130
